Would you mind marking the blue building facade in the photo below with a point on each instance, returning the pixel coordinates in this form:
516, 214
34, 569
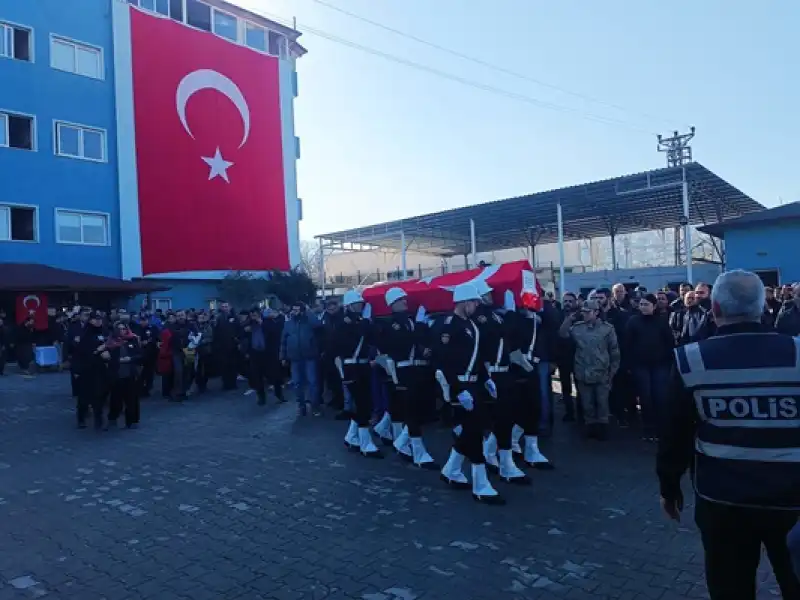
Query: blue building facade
763, 242
68, 193
57, 136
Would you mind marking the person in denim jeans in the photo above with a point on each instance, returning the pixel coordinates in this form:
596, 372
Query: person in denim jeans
300, 350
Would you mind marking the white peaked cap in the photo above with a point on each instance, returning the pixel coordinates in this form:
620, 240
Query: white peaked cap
352, 297
393, 295
466, 291
482, 287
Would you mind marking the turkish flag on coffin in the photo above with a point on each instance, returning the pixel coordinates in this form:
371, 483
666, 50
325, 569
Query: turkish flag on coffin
208, 151
436, 293
33, 305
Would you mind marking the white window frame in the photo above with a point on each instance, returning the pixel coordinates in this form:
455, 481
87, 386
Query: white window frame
58, 123
34, 133
83, 213
157, 304
31, 43
77, 44
214, 11
10, 205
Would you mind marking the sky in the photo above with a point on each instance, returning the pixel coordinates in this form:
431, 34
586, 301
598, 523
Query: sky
381, 140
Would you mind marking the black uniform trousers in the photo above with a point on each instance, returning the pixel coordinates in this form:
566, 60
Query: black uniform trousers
732, 539
333, 381
622, 400
149, 359
125, 397
359, 384
265, 367
405, 404
92, 392
473, 422
528, 401
501, 411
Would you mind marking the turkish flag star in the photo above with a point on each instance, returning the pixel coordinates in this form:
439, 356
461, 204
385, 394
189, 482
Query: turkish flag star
218, 166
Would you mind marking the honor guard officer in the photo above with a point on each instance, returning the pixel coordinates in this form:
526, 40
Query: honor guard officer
462, 378
401, 341
734, 421
351, 357
496, 342
528, 397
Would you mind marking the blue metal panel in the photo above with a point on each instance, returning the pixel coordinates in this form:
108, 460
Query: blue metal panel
765, 248
41, 178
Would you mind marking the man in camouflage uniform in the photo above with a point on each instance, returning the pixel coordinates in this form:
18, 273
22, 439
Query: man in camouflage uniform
597, 360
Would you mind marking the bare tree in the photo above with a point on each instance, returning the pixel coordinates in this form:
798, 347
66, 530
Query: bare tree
309, 259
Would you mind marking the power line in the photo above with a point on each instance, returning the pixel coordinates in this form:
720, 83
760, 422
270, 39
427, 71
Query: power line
486, 64
458, 79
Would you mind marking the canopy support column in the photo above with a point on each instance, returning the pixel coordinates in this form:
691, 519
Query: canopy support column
403, 270
473, 244
562, 286
687, 230
322, 267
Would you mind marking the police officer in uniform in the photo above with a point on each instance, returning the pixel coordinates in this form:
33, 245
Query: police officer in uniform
92, 370
402, 339
496, 342
735, 422
351, 358
464, 383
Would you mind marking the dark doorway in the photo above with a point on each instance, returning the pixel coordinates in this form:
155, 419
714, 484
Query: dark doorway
769, 277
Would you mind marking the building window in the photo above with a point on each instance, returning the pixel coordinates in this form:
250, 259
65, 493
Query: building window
295, 88
17, 223
163, 304
198, 15
157, 6
77, 141
16, 131
15, 42
89, 229
297, 147
255, 37
226, 25
277, 44
75, 57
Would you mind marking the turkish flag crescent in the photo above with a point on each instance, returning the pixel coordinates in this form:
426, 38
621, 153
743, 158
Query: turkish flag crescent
34, 304
208, 151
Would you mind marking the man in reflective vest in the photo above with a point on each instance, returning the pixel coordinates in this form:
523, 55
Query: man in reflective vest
734, 420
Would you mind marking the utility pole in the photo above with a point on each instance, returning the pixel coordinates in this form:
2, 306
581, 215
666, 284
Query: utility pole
679, 153
677, 147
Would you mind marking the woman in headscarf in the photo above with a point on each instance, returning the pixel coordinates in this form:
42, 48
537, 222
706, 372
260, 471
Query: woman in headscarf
123, 345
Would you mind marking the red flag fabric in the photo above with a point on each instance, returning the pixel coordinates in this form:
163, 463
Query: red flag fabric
436, 293
34, 304
208, 151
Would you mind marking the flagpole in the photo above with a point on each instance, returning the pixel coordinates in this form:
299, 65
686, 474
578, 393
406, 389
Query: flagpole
562, 287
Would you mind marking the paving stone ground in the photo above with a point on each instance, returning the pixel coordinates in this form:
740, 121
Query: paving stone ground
222, 499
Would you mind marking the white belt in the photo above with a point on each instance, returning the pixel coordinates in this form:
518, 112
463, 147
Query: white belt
356, 361
498, 369
411, 363
468, 378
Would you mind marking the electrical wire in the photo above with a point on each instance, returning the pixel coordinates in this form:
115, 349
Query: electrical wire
456, 78
486, 64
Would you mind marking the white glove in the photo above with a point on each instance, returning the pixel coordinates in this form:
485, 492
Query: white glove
367, 312
508, 301
466, 400
422, 316
491, 388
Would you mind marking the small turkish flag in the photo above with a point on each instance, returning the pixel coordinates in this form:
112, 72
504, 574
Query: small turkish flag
209, 151
33, 305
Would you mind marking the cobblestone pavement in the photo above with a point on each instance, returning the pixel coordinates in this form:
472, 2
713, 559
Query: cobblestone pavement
222, 499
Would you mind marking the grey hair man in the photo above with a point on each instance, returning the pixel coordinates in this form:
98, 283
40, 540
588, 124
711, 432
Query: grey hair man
738, 297
735, 417
788, 319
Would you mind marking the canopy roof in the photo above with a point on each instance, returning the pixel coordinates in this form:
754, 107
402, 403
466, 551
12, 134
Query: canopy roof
31, 277
646, 201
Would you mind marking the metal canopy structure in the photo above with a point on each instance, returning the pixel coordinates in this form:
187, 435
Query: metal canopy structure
652, 200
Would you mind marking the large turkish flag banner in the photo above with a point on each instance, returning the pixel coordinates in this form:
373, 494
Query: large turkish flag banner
33, 305
208, 151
